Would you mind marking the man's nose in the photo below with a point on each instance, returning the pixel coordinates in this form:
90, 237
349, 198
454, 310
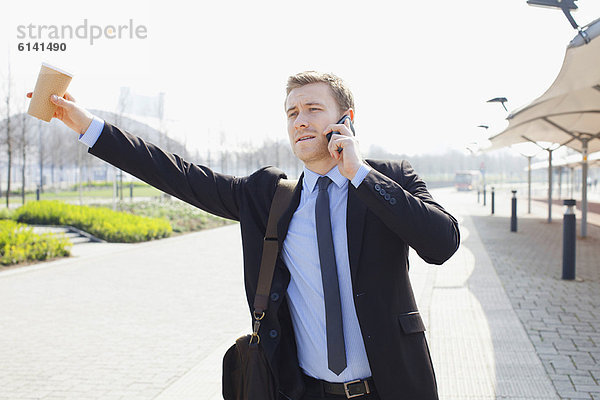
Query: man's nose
301, 122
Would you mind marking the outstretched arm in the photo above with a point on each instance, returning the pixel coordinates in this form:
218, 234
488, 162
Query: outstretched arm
216, 193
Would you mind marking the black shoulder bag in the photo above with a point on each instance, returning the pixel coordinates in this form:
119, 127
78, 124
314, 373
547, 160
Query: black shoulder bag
246, 371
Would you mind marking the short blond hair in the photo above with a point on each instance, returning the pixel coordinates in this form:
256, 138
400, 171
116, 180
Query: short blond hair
341, 92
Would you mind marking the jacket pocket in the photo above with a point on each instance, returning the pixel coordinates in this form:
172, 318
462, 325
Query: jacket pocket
411, 322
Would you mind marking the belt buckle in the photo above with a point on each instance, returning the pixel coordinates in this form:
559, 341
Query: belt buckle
347, 389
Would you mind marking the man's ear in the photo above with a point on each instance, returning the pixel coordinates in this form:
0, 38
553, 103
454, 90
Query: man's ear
350, 113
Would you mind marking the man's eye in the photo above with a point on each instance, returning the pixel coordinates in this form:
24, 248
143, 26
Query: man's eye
314, 109
292, 114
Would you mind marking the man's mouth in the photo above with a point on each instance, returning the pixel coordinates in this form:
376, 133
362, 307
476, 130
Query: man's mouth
303, 138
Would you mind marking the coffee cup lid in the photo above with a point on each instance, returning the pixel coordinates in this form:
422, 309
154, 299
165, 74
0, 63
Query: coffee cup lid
57, 69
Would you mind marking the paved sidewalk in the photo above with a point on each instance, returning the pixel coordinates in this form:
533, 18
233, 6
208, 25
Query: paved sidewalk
479, 347
120, 321
562, 318
152, 320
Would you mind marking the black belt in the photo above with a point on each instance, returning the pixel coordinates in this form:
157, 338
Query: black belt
351, 389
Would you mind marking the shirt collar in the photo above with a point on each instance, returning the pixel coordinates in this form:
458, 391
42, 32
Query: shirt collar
310, 178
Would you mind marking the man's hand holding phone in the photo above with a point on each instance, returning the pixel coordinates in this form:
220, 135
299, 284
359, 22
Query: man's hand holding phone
71, 114
343, 147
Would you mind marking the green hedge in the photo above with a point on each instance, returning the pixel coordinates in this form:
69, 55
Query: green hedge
6, 213
183, 217
103, 223
107, 184
18, 243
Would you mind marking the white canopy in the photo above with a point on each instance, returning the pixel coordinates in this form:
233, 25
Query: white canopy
568, 113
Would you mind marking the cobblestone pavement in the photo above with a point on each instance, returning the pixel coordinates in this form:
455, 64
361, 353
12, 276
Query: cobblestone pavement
480, 349
120, 321
562, 318
152, 320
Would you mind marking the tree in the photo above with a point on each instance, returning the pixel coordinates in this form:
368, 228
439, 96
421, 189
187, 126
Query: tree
9, 137
122, 106
40, 156
52, 141
23, 143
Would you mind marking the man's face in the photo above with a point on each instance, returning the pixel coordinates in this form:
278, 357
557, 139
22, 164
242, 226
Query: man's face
310, 109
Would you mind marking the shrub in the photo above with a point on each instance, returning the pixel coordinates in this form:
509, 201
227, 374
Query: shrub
6, 213
182, 216
18, 243
106, 184
103, 223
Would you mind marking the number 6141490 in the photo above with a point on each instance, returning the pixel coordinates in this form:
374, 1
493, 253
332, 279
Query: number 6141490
42, 46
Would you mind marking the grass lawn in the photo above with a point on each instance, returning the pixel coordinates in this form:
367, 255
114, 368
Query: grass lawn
96, 193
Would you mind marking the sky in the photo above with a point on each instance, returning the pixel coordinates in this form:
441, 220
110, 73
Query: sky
421, 72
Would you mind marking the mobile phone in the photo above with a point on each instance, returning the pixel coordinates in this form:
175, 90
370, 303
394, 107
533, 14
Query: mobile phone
341, 121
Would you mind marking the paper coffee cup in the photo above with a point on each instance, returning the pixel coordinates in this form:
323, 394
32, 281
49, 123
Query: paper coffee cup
51, 80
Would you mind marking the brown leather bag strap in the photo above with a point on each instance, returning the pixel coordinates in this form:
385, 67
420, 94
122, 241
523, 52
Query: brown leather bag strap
281, 201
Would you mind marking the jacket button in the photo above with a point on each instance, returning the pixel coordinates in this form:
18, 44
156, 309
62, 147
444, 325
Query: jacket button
274, 296
387, 196
273, 333
377, 187
382, 192
392, 201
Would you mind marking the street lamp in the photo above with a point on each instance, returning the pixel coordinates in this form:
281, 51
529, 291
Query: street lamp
482, 170
501, 100
566, 6
528, 150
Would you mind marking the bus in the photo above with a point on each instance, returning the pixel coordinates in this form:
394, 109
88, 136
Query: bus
468, 180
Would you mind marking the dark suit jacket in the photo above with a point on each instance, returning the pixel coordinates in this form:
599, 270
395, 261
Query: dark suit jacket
389, 211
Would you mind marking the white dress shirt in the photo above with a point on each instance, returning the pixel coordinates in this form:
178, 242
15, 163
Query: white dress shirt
305, 291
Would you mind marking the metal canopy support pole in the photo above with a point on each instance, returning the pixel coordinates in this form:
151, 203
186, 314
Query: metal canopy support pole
584, 174
572, 182
549, 185
549, 150
560, 173
529, 184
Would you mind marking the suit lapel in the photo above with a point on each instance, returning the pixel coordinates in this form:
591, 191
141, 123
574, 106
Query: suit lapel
355, 223
284, 221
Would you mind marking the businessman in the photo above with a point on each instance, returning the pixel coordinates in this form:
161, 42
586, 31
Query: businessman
342, 319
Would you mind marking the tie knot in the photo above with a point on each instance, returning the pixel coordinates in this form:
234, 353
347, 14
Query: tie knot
323, 182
